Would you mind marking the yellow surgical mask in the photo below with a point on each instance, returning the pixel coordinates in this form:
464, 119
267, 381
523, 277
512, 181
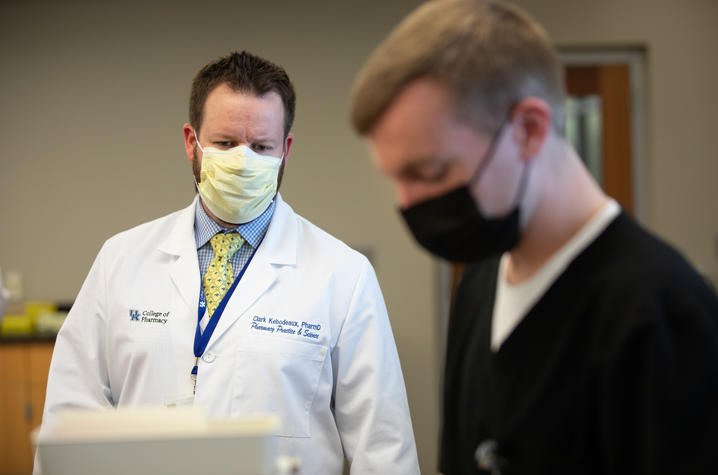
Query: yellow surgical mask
237, 185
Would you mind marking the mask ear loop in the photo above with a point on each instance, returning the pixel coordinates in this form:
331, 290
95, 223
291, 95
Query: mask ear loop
522, 185
284, 147
489, 155
197, 140
201, 149
521, 191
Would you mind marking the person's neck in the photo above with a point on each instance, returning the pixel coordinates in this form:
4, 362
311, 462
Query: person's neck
565, 205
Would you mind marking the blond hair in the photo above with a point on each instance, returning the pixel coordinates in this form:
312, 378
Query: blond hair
489, 55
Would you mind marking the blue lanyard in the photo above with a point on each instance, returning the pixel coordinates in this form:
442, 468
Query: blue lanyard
201, 338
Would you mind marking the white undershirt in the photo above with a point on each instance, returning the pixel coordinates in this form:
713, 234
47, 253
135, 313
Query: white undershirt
514, 301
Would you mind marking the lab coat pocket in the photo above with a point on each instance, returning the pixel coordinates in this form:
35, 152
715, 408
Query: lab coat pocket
279, 376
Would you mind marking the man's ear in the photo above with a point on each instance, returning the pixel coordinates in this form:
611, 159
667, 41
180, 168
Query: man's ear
288, 144
531, 119
189, 141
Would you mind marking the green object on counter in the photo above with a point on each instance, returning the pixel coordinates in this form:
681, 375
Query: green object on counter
35, 308
17, 325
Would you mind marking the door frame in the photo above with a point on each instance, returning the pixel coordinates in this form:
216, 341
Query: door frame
635, 58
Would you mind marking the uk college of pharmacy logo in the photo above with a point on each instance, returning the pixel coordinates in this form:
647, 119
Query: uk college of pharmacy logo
134, 315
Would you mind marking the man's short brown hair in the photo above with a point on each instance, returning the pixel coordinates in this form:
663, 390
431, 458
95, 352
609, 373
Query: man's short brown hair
242, 72
489, 55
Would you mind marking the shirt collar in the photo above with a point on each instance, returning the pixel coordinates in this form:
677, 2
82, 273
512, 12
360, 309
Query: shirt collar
253, 232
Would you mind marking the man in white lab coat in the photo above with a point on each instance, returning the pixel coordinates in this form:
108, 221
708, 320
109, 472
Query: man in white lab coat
237, 303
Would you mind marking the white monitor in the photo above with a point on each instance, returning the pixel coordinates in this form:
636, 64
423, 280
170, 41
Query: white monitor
156, 441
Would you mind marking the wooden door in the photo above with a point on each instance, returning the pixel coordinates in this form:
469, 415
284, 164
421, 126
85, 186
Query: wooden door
611, 83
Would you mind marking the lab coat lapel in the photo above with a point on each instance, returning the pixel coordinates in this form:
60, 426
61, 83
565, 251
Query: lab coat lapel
278, 248
184, 270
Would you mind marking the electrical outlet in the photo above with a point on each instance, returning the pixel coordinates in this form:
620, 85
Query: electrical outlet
13, 284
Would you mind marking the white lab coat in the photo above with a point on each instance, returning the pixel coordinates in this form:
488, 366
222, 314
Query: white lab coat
337, 386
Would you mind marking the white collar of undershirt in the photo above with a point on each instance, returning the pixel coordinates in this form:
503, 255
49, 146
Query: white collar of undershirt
513, 302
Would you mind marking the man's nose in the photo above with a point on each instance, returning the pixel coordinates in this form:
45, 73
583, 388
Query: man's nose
407, 195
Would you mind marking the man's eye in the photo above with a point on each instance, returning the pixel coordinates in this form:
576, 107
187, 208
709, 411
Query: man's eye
431, 174
259, 148
437, 174
223, 144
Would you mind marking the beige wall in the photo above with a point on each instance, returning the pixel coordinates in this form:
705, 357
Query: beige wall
94, 95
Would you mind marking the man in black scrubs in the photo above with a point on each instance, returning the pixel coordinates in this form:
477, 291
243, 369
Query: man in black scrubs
579, 342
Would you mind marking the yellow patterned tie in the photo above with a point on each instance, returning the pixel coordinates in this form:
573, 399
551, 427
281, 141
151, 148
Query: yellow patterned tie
219, 276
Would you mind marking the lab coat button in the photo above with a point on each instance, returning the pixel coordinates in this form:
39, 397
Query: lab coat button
208, 357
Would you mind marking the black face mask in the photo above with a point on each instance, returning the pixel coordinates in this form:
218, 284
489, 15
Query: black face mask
452, 227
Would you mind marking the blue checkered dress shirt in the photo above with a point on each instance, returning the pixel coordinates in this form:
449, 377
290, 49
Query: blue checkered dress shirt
253, 232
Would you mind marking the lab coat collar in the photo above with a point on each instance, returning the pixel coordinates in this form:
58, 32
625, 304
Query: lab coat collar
180, 242
281, 241
279, 245
176, 242
278, 248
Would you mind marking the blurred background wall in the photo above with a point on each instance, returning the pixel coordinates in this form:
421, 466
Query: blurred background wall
94, 95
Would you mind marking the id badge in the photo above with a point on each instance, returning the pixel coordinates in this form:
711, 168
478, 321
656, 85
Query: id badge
187, 401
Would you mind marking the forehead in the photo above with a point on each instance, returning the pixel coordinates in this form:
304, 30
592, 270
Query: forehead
420, 124
227, 109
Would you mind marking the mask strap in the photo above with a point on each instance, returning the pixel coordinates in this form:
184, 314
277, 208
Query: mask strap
284, 148
488, 156
197, 140
522, 185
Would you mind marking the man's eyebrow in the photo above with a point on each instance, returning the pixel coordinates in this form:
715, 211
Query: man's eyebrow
263, 138
221, 136
419, 165
416, 163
